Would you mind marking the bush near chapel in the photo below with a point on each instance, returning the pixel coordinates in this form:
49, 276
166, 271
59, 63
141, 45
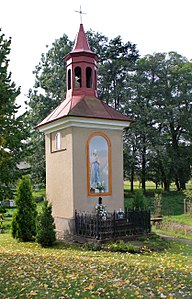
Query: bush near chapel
23, 226
139, 201
45, 226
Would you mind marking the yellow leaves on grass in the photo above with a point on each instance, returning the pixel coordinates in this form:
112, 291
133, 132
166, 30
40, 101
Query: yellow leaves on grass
69, 273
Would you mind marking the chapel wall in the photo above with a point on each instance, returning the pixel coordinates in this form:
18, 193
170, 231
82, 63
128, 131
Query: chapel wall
59, 178
83, 202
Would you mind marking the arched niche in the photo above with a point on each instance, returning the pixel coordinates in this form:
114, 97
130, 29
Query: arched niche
99, 165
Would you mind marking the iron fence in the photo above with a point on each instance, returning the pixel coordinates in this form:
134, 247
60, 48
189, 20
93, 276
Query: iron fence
113, 225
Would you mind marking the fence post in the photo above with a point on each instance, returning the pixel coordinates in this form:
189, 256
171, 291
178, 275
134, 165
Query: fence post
97, 226
114, 230
149, 220
76, 223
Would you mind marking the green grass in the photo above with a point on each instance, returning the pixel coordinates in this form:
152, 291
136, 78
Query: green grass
182, 219
179, 226
151, 185
69, 271
172, 202
174, 234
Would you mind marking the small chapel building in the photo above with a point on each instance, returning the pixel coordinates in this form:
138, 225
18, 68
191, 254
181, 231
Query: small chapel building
84, 144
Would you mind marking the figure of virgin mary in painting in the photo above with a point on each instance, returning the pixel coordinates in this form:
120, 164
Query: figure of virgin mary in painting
95, 170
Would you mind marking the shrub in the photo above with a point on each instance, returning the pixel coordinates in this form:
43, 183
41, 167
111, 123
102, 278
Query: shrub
139, 201
23, 223
3, 210
157, 205
121, 246
92, 246
188, 194
45, 226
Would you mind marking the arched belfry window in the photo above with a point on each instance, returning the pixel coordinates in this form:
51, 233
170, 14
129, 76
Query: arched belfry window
99, 165
88, 77
69, 80
78, 79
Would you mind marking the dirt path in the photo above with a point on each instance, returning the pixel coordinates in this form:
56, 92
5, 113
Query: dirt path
175, 239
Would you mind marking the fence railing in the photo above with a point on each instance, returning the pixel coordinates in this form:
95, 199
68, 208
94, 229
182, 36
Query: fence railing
113, 225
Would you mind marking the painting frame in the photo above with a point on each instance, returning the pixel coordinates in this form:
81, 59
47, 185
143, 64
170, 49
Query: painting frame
99, 163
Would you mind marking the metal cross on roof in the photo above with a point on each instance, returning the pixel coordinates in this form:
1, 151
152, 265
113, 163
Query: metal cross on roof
80, 13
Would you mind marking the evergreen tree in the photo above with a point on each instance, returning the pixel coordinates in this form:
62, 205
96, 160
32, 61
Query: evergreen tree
12, 128
45, 226
24, 218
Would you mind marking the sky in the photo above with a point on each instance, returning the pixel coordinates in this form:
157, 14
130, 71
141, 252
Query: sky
153, 25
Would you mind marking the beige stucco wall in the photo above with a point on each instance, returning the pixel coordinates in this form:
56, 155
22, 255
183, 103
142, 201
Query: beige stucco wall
59, 178
66, 175
82, 202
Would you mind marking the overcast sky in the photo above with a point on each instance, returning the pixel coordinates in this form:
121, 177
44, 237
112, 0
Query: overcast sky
154, 25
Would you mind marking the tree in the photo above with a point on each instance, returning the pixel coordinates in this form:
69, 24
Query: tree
173, 101
139, 107
24, 218
160, 101
117, 60
46, 235
12, 129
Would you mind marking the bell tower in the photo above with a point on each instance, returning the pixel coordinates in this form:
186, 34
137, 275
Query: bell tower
81, 68
84, 144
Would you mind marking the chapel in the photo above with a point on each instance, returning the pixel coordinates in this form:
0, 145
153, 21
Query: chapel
83, 143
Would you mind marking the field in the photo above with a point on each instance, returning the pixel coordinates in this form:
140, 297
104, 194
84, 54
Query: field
70, 271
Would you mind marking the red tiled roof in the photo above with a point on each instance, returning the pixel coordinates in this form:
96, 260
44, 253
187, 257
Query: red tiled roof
80, 106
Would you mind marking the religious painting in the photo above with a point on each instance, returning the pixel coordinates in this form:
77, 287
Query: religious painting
98, 159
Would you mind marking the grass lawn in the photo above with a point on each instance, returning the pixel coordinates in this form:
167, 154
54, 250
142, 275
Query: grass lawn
182, 219
179, 226
172, 202
69, 271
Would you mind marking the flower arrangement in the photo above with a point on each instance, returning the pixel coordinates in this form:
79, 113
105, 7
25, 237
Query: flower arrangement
100, 186
120, 214
101, 211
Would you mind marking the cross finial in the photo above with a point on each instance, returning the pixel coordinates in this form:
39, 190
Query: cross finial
80, 13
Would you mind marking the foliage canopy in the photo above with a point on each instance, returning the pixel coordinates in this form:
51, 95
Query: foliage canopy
12, 129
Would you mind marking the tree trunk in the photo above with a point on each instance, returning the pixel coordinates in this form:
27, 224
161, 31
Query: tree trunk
133, 169
177, 184
182, 185
132, 178
143, 170
166, 185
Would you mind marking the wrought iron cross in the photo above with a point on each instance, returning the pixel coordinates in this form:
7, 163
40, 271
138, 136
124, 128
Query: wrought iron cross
80, 13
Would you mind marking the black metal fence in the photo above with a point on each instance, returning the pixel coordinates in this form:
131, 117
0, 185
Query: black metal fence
113, 225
